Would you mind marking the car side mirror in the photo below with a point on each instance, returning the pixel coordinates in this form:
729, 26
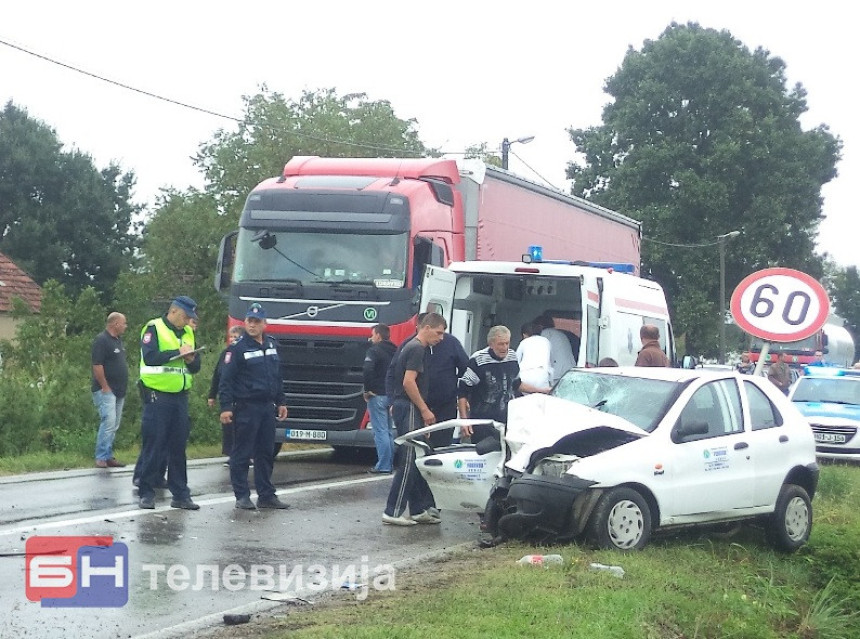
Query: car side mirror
689, 362
686, 429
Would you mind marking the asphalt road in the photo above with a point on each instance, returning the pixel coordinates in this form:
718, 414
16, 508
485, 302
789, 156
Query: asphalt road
333, 526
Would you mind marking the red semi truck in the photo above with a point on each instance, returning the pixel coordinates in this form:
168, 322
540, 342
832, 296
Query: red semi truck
335, 245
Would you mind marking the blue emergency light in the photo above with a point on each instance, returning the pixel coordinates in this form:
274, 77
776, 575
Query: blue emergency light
536, 253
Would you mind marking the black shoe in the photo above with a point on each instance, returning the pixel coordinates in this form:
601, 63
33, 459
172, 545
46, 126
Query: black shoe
184, 504
245, 503
374, 471
146, 502
272, 502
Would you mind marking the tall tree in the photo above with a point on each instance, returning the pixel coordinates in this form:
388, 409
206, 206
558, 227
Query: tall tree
844, 288
320, 122
61, 217
702, 137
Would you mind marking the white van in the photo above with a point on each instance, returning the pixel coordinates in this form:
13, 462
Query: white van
601, 305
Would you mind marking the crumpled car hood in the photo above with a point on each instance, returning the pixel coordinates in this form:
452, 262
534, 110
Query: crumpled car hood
538, 421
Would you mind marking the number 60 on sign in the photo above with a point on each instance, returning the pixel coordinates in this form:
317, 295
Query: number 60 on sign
780, 305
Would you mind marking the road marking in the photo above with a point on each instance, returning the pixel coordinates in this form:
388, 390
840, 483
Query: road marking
209, 501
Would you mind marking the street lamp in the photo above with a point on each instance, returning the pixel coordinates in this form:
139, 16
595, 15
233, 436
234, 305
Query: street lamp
506, 146
721, 240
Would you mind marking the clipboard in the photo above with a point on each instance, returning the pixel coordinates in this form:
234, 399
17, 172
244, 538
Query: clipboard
196, 350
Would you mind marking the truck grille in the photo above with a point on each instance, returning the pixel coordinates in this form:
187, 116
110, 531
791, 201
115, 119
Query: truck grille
330, 416
299, 389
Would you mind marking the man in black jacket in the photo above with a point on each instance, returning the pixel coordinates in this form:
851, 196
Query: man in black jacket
376, 363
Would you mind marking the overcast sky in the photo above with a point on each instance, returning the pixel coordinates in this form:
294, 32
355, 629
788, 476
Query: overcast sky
469, 72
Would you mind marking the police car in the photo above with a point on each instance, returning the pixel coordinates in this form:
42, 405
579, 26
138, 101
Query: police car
829, 398
614, 454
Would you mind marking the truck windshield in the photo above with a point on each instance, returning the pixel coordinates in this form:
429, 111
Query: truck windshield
314, 258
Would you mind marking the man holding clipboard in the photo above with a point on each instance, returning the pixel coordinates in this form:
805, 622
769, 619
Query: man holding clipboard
168, 359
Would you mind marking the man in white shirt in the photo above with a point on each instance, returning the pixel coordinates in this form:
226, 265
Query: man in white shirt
533, 354
561, 352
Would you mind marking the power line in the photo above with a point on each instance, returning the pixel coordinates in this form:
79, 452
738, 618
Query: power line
533, 171
193, 107
651, 239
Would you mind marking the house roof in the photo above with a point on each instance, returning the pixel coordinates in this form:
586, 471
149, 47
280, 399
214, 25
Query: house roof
16, 283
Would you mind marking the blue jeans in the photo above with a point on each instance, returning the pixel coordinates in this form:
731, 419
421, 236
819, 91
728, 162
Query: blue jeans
381, 423
110, 414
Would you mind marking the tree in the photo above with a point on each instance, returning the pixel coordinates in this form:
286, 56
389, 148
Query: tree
60, 217
702, 137
845, 292
321, 122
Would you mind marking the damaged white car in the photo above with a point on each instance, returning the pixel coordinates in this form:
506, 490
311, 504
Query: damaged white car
614, 454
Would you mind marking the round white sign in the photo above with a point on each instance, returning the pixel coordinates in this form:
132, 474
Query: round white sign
780, 305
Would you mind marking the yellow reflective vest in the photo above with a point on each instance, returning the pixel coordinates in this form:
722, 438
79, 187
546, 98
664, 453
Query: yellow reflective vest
173, 376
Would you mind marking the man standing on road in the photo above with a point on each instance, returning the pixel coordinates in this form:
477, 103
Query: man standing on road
167, 362
234, 334
109, 384
651, 353
411, 412
376, 362
251, 394
446, 362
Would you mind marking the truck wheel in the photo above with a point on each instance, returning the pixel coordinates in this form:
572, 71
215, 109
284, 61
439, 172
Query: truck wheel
789, 526
621, 520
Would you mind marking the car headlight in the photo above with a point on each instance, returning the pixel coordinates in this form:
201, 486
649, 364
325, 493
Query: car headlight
555, 465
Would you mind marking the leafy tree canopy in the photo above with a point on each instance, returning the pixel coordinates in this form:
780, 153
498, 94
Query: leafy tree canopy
60, 216
702, 137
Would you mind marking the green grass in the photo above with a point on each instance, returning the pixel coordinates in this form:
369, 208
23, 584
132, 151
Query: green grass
693, 584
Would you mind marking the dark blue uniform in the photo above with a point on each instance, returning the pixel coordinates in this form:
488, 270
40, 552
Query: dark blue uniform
165, 424
251, 387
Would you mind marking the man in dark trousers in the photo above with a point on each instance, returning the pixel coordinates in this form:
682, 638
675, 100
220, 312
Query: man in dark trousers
251, 394
376, 362
446, 362
411, 388
234, 334
167, 362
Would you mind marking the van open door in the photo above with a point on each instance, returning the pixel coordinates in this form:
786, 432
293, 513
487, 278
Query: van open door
437, 292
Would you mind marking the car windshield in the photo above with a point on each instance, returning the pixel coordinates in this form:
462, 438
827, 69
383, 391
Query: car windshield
834, 390
640, 401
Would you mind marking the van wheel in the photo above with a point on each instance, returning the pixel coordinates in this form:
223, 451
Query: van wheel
789, 526
621, 520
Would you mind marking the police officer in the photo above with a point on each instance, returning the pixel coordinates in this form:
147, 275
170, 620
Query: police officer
167, 362
251, 394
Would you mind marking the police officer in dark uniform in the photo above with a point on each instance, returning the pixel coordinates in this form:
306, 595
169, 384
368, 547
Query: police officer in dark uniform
251, 394
167, 362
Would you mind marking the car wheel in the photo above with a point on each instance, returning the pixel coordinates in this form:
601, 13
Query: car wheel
621, 520
791, 522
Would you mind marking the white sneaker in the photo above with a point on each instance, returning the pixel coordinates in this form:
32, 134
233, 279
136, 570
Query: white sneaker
397, 521
435, 512
426, 518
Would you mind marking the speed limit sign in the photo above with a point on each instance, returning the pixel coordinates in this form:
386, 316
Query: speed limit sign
780, 305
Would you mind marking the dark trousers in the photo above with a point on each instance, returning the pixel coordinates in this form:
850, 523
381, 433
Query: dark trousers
165, 427
409, 487
253, 438
443, 412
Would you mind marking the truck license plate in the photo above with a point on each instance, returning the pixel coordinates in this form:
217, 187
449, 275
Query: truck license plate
298, 433
830, 438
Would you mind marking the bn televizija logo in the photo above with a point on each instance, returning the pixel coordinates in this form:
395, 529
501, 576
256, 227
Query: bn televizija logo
83, 572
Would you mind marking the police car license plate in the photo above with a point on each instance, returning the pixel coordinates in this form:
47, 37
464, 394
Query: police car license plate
830, 438
298, 433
